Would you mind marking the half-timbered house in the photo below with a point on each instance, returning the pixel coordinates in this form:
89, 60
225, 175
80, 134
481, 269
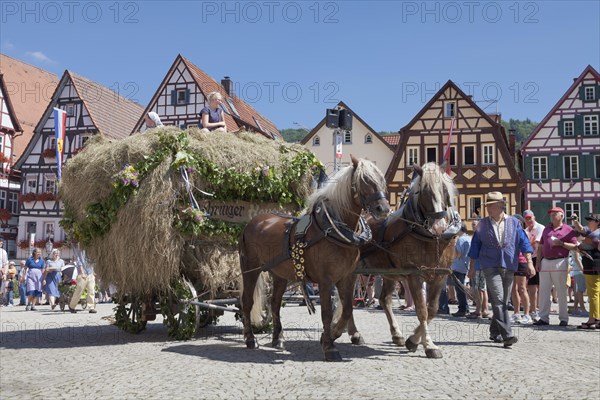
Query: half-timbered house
561, 157
91, 109
481, 155
183, 93
362, 141
10, 179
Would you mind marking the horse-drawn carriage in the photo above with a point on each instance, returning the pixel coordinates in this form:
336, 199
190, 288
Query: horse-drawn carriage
160, 215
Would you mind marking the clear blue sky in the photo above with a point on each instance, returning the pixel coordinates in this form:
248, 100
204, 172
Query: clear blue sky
294, 59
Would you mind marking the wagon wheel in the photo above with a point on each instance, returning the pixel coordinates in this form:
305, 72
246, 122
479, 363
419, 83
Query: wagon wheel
180, 317
128, 314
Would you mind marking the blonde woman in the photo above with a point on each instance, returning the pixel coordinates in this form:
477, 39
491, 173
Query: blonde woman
52, 277
212, 116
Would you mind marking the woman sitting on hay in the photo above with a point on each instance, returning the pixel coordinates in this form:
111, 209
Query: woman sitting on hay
212, 116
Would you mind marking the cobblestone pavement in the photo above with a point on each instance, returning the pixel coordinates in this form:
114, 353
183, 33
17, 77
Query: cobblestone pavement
62, 355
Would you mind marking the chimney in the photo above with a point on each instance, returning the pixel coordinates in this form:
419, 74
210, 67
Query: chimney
227, 85
512, 140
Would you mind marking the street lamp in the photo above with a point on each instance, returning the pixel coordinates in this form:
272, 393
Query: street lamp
49, 247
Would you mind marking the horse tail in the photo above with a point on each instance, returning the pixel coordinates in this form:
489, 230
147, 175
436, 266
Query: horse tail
260, 294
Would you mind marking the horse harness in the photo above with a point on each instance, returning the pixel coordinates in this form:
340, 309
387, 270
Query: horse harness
296, 239
417, 225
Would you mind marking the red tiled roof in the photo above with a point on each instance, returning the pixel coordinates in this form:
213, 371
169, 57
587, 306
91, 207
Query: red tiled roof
247, 115
114, 115
30, 89
393, 140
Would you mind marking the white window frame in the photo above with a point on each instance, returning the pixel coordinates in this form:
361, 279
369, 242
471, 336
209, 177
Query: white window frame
474, 154
572, 208
70, 110
589, 90
590, 124
347, 137
542, 168
412, 154
31, 188
573, 172
316, 141
181, 101
436, 153
2, 144
568, 128
13, 202
488, 158
46, 182
450, 157
471, 209
3, 199
48, 232
368, 138
448, 114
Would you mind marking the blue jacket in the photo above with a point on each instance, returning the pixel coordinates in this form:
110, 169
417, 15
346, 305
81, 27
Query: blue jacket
485, 246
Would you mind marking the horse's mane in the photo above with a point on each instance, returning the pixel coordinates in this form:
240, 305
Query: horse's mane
338, 188
434, 180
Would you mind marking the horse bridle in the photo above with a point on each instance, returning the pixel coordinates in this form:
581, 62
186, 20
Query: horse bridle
367, 202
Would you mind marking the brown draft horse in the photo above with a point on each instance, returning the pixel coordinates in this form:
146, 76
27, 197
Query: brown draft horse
327, 262
415, 241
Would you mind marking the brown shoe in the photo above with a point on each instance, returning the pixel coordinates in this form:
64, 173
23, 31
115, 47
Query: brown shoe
93, 311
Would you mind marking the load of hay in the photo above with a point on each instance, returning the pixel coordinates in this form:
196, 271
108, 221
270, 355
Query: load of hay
129, 203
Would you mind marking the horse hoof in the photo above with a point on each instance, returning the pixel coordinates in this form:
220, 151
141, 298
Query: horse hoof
332, 355
398, 340
357, 340
433, 353
278, 344
412, 347
252, 344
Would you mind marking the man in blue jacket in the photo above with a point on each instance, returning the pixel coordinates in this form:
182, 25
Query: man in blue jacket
496, 243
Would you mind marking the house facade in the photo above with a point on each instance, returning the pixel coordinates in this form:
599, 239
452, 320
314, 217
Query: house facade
10, 179
91, 109
362, 141
561, 157
481, 155
183, 94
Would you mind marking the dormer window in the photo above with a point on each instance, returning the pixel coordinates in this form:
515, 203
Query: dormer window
316, 141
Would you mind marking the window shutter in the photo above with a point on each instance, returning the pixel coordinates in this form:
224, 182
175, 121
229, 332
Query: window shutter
187, 96
582, 92
589, 167
554, 167
173, 97
585, 210
597, 92
528, 167
578, 125
561, 127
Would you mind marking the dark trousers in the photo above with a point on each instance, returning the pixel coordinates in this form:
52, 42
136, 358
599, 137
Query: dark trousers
461, 295
499, 283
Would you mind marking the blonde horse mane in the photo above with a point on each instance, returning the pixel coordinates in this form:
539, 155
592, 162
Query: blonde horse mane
430, 181
338, 189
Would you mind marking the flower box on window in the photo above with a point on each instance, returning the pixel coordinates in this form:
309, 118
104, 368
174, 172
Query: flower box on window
27, 198
48, 196
49, 153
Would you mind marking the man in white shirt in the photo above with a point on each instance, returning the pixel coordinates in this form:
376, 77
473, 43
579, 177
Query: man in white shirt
534, 232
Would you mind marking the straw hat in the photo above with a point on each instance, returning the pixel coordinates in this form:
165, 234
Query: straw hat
494, 197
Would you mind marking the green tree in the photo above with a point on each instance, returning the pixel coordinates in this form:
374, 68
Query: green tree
523, 129
292, 135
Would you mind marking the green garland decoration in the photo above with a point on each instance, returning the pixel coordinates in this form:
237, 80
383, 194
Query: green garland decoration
262, 184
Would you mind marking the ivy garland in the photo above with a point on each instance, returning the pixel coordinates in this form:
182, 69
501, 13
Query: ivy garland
264, 183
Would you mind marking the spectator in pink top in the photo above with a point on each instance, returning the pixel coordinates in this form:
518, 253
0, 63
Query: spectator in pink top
557, 241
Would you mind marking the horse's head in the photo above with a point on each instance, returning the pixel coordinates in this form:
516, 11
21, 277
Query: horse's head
433, 192
369, 187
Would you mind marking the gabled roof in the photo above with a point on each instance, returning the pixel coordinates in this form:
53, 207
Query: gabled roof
9, 107
113, 115
32, 88
588, 70
355, 115
247, 114
393, 140
246, 117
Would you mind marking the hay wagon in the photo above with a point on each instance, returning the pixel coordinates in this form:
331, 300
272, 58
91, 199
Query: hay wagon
160, 215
